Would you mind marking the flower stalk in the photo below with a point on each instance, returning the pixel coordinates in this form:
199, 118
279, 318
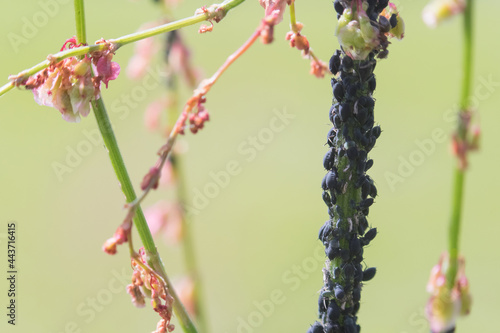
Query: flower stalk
462, 133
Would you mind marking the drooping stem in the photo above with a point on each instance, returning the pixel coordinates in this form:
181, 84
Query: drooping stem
154, 260
461, 132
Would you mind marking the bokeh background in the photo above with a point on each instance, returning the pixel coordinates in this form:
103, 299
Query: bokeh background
258, 235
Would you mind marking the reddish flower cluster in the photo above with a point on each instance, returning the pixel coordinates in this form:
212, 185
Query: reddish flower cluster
444, 305
68, 85
146, 283
197, 119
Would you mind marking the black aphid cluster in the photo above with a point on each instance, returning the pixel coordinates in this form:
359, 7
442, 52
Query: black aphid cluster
347, 190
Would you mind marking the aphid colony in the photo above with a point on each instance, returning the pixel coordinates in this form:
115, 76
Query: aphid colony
348, 191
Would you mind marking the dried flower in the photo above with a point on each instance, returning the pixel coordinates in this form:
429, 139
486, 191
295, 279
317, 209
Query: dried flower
444, 305
439, 10
318, 68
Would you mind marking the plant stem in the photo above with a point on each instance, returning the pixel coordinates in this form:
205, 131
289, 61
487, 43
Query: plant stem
223, 8
188, 247
81, 35
154, 260
458, 186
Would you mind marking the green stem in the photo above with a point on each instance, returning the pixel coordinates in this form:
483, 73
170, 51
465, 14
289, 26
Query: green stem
154, 260
188, 247
454, 230
81, 35
223, 9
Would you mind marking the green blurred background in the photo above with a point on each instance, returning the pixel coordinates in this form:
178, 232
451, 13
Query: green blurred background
258, 235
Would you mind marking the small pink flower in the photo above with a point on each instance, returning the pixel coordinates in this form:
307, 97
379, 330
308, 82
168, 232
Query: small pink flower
180, 61
166, 217
152, 115
444, 305
185, 291
144, 51
318, 68
167, 175
274, 9
106, 69
66, 86
439, 10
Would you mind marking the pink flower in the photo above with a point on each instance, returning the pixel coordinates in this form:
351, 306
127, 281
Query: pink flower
152, 116
66, 86
439, 10
185, 290
144, 51
318, 68
444, 305
274, 9
106, 69
167, 217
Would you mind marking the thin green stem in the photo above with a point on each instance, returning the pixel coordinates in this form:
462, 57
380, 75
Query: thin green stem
220, 11
140, 223
188, 247
467, 55
293, 20
81, 35
457, 204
